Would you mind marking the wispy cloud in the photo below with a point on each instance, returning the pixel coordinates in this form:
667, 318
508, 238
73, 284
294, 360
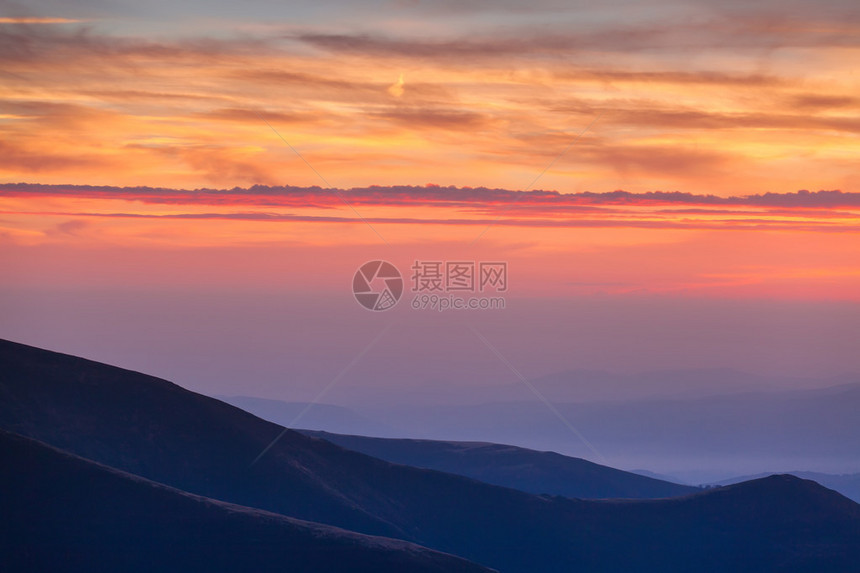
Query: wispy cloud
37, 20
428, 195
688, 223
691, 103
725, 34
821, 211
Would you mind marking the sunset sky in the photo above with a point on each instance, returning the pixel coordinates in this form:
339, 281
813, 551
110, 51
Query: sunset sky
646, 169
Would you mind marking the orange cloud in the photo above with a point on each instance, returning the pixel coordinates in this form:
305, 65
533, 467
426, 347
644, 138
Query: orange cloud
36, 20
86, 107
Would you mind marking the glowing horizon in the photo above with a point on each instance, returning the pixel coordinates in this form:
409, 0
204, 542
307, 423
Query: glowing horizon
657, 243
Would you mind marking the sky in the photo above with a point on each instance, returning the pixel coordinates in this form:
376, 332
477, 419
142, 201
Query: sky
189, 188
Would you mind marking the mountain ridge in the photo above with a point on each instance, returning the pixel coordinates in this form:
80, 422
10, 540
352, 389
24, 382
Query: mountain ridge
510, 466
198, 444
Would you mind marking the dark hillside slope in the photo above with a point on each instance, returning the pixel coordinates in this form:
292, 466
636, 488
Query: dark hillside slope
64, 513
160, 431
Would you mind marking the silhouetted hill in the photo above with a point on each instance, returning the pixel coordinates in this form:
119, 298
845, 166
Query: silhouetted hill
158, 430
510, 466
846, 484
64, 513
778, 523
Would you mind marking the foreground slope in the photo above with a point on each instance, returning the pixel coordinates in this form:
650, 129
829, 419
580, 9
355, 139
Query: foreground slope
64, 513
511, 466
156, 429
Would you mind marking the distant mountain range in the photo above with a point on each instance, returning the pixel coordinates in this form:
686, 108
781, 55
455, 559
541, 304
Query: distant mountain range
64, 513
601, 386
791, 428
709, 424
583, 386
154, 429
510, 466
